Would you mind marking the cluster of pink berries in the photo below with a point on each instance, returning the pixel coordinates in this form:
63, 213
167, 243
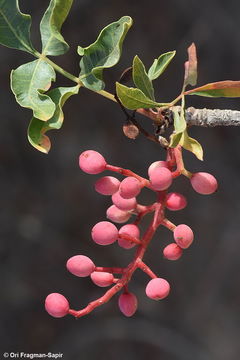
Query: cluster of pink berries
123, 194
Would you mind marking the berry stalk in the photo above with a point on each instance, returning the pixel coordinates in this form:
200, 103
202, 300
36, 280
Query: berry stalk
125, 205
127, 273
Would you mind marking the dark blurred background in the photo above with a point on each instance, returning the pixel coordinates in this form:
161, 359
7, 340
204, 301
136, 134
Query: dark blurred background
48, 206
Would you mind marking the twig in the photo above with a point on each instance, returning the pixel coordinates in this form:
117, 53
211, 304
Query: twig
211, 118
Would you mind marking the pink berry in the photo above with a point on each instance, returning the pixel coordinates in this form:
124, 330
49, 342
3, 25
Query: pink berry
92, 162
127, 303
56, 305
102, 278
172, 252
130, 230
104, 233
160, 178
204, 183
80, 265
183, 235
129, 187
124, 204
117, 215
157, 289
155, 165
107, 185
175, 201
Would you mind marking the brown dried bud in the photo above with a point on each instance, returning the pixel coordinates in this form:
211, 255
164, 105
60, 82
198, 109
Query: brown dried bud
131, 131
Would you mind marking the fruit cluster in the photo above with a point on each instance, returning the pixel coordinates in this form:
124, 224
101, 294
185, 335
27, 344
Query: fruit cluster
124, 193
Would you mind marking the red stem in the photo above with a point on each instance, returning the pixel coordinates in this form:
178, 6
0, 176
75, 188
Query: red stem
168, 224
146, 269
177, 153
180, 170
158, 219
130, 238
126, 172
129, 270
171, 158
143, 211
112, 270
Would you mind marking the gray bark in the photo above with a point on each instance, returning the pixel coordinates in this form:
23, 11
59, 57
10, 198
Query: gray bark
211, 118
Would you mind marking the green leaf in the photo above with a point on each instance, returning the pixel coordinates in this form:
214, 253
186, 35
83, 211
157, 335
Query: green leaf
104, 53
38, 128
227, 88
133, 98
175, 139
14, 27
29, 82
179, 127
53, 42
159, 65
179, 121
190, 77
141, 79
192, 145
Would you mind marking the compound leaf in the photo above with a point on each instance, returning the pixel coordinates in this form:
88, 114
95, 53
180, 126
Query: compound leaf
53, 42
159, 65
133, 98
227, 88
14, 27
104, 53
38, 128
141, 79
29, 82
